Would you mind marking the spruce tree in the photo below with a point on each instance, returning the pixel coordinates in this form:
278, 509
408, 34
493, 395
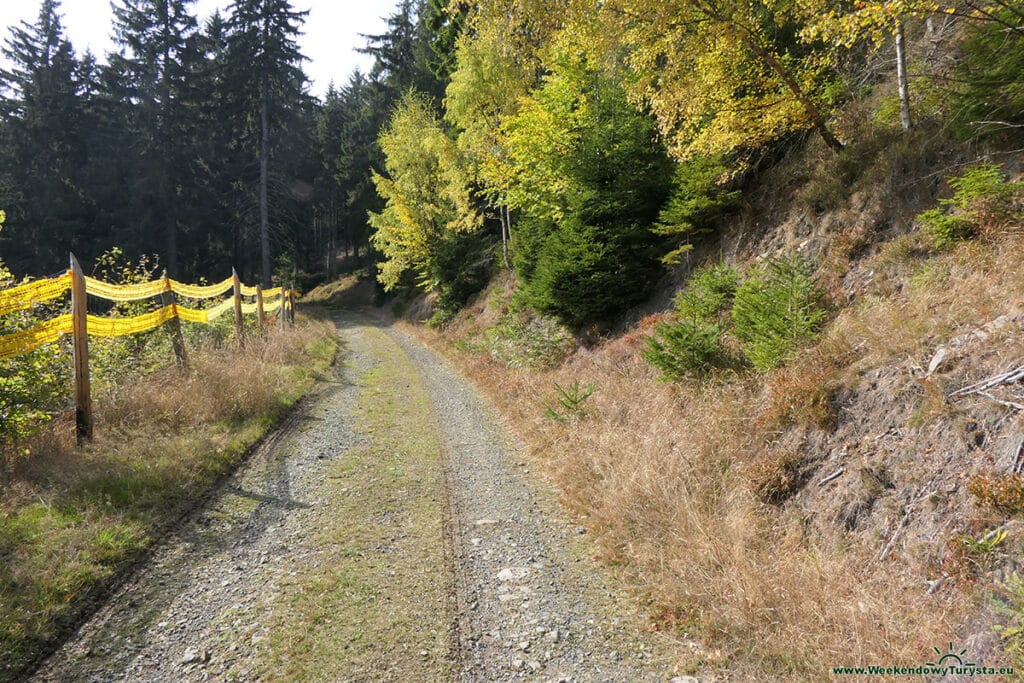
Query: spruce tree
264, 71
159, 53
44, 151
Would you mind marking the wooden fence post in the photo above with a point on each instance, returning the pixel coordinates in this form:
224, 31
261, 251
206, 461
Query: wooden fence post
259, 309
80, 343
177, 340
238, 305
291, 307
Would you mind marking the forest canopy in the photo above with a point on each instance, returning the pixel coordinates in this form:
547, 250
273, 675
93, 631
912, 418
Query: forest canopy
578, 144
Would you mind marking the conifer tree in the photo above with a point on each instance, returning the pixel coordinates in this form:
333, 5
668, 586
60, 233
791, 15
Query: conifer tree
264, 70
44, 150
159, 53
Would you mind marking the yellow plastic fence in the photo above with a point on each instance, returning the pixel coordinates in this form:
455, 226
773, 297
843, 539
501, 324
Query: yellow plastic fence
20, 343
24, 296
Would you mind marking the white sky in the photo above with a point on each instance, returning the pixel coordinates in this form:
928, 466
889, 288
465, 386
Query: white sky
331, 31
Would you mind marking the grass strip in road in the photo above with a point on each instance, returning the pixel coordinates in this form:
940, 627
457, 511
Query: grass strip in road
376, 607
70, 519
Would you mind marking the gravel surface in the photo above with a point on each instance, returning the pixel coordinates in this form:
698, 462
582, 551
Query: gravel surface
524, 603
529, 606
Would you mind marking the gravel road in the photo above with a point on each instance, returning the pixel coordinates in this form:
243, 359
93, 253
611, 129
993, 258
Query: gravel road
523, 601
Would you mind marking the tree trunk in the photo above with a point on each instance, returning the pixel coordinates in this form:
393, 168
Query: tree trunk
169, 216
901, 78
752, 41
264, 208
504, 235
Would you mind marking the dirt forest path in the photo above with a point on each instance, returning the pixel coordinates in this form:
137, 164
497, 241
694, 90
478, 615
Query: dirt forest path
390, 532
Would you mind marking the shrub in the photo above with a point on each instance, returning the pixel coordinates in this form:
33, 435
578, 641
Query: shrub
33, 387
692, 345
708, 294
683, 348
697, 201
569, 401
776, 310
981, 199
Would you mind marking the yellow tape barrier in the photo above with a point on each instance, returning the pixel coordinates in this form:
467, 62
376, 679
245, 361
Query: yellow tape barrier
202, 292
23, 296
219, 310
143, 290
29, 340
118, 327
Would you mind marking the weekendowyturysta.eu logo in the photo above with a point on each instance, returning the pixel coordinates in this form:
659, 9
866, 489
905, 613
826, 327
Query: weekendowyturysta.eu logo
952, 662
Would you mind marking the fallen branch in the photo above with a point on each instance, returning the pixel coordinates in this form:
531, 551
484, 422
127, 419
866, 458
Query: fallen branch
903, 522
1008, 404
1010, 377
835, 475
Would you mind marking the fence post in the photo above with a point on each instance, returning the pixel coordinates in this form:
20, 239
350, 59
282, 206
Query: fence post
80, 343
177, 341
282, 311
238, 305
291, 306
259, 309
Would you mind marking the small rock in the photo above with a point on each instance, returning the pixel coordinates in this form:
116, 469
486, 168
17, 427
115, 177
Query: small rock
513, 573
485, 522
193, 657
553, 635
424, 653
534, 665
524, 645
938, 359
518, 664
683, 679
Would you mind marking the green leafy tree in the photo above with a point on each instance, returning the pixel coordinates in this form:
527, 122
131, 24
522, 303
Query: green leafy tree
725, 77
588, 178
427, 200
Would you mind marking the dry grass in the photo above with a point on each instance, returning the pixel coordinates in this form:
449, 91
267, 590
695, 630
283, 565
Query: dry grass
663, 475
673, 478
69, 519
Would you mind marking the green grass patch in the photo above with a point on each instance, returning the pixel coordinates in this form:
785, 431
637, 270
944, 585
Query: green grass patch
377, 601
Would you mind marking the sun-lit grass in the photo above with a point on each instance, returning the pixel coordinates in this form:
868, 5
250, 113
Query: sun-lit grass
70, 518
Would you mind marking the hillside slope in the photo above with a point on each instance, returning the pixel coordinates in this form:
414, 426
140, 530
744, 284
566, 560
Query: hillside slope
852, 507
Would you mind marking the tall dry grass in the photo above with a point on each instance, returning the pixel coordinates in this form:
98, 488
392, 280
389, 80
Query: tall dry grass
667, 477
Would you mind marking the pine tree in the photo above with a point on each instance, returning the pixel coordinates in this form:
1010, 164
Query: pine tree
159, 52
264, 70
41, 103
